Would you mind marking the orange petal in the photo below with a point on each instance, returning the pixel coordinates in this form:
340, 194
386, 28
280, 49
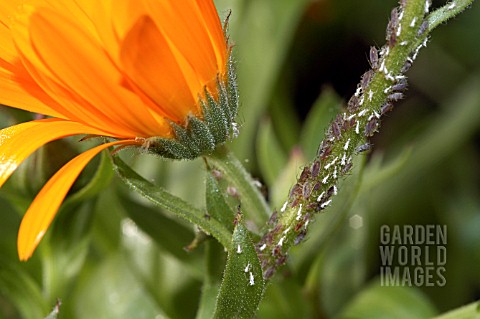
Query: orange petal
182, 24
81, 65
149, 61
19, 141
43, 209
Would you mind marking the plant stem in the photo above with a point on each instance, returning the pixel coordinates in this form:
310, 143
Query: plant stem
252, 201
347, 136
446, 12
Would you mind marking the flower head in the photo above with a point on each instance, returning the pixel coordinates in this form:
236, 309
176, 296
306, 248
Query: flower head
151, 73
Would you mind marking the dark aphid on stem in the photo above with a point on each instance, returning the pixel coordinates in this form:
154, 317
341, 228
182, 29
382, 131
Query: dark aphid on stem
394, 97
273, 218
401, 85
374, 58
304, 175
366, 79
336, 130
353, 104
300, 237
325, 151
299, 225
387, 107
346, 168
315, 169
295, 191
281, 260
363, 148
295, 202
268, 272
406, 67
348, 124
371, 127
392, 28
423, 28
307, 190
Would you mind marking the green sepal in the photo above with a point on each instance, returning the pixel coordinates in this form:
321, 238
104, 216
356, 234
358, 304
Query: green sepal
203, 134
216, 121
200, 134
170, 148
232, 88
223, 102
184, 137
243, 285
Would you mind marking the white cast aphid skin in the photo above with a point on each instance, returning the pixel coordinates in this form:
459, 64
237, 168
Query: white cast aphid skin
284, 207
252, 279
239, 249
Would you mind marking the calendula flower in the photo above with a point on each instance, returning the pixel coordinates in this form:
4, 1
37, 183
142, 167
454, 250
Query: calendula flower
150, 73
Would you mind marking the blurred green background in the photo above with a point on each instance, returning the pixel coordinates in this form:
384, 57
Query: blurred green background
298, 62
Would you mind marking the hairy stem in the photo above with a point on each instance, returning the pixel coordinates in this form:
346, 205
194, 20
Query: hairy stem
253, 202
347, 136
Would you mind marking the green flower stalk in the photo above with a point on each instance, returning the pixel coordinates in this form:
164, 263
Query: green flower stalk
348, 134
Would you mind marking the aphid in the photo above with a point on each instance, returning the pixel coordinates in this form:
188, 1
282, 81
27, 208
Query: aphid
268, 272
406, 67
232, 191
216, 174
423, 28
346, 168
392, 28
304, 175
349, 123
331, 191
276, 251
299, 225
295, 191
316, 187
307, 190
300, 237
371, 127
281, 260
336, 129
363, 148
315, 169
325, 151
387, 107
366, 78
401, 85
273, 218
353, 104
394, 97
295, 203
374, 58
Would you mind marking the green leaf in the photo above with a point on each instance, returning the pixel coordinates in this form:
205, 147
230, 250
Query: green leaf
389, 302
99, 181
54, 313
466, 312
217, 206
270, 155
170, 235
215, 258
324, 110
242, 286
21, 290
165, 200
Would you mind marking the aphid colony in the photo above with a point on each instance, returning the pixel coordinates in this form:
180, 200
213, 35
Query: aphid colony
346, 136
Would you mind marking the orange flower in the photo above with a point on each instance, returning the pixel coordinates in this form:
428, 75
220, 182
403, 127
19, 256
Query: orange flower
131, 70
